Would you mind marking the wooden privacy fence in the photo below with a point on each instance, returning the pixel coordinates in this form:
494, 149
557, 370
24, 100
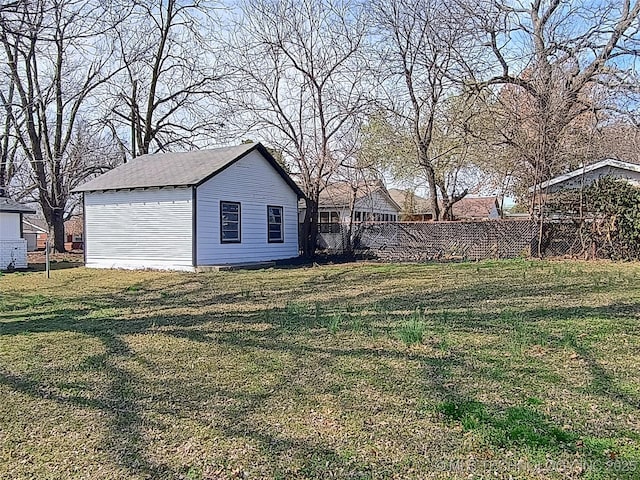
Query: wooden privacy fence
423, 241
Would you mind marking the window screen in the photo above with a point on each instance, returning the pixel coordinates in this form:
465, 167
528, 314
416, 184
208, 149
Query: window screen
275, 227
229, 222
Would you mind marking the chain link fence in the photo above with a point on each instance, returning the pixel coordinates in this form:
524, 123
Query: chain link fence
433, 241
424, 241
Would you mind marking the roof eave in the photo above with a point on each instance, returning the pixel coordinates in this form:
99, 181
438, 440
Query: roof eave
115, 189
257, 146
35, 227
608, 162
15, 210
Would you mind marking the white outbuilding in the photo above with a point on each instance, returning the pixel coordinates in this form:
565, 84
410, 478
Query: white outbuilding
13, 247
193, 210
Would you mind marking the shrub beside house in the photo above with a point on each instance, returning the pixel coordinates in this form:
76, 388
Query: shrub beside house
595, 208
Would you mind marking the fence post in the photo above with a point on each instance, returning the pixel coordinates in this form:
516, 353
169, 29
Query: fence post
46, 256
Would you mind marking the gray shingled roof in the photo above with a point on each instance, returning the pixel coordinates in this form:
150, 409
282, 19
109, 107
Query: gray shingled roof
176, 169
10, 206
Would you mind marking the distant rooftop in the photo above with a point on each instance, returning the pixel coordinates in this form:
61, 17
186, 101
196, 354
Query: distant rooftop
340, 194
468, 208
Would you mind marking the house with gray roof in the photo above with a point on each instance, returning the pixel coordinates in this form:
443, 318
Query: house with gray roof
344, 203
587, 174
190, 211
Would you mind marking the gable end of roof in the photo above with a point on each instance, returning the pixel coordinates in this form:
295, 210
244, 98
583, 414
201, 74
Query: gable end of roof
272, 161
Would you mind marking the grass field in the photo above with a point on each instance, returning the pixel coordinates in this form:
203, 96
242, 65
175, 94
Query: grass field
521, 368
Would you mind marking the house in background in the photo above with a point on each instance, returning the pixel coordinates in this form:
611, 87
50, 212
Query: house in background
413, 208
471, 208
548, 199
341, 202
586, 175
188, 211
13, 247
73, 232
36, 232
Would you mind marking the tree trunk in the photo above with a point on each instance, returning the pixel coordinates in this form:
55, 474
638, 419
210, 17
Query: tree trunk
423, 159
433, 192
447, 210
55, 220
58, 232
352, 205
447, 204
448, 201
310, 228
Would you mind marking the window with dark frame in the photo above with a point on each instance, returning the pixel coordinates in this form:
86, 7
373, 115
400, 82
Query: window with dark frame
230, 222
275, 233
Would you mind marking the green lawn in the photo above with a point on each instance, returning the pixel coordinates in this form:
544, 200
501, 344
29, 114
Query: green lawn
528, 369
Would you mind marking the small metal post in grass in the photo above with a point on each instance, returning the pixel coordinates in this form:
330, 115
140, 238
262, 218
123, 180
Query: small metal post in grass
46, 256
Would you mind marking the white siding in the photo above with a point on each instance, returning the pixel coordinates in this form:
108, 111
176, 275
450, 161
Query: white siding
375, 202
590, 177
494, 214
372, 203
13, 253
254, 183
32, 241
13, 249
139, 229
9, 226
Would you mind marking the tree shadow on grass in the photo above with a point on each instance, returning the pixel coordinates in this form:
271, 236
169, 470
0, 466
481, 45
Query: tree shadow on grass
118, 402
122, 400
271, 330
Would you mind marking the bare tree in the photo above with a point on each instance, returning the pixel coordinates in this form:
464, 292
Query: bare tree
561, 61
53, 59
8, 142
421, 45
166, 94
456, 151
359, 176
300, 85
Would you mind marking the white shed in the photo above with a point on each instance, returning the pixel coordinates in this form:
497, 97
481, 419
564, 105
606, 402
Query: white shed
184, 211
13, 247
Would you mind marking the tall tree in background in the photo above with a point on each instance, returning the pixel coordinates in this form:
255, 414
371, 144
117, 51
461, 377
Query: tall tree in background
300, 82
456, 150
54, 56
8, 141
563, 63
421, 45
165, 96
